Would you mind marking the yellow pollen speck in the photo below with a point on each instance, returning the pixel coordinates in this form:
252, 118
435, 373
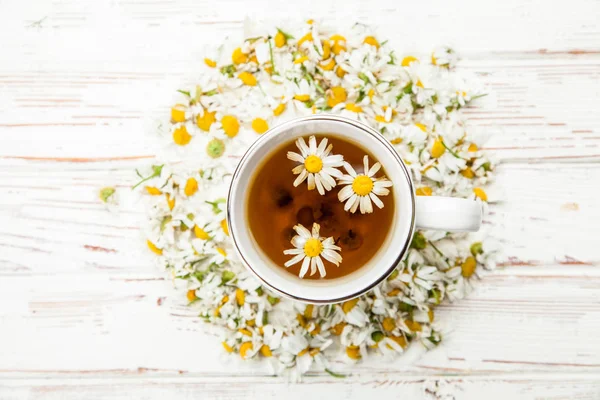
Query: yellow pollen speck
238, 57
433, 59
421, 127
397, 141
227, 347
472, 147
339, 71
153, 191
337, 95
381, 118
265, 351
407, 60
244, 331
468, 173
303, 352
260, 125
338, 329
438, 149
191, 295
480, 193
353, 352
329, 65
170, 201
280, 39
339, 44
313, 247
362, 185
424, 191
240, 297
468, 267
347, 306
224, 226
420, 84
181, 136
388, 324
254, 59
221, 251
210, 63
308, 311
371, 93
326, 49
354, 108
414, 326
313, 164
279, 109
300, 60
178, 113
201, 233
372, 41
310, 21
245, 348
231, 125
306, 38
302, 97
206, 120
247, 78
400, 340
191, 187
154, 249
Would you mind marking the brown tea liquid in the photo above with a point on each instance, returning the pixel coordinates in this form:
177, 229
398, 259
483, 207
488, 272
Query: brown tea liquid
275, 206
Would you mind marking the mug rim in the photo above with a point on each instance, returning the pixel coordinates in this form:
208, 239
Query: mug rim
336, 119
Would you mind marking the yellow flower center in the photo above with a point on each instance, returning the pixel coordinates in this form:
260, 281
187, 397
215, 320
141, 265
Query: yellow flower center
313, 164
313, 247
362, 185
201, 233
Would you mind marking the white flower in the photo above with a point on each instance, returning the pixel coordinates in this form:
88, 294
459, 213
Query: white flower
363, 188
318, 165
310, 247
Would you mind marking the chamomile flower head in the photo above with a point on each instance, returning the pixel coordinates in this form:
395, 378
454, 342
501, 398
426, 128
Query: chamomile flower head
362, 189
310, 248
318, 166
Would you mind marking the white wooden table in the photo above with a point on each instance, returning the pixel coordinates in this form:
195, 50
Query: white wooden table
83, 314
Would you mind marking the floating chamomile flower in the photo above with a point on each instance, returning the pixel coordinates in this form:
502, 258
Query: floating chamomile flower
309, 248
363, 188
318, 165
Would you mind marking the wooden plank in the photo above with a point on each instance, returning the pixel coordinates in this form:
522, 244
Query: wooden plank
140, 321
523, 25
525, 113
55, 223
555, 387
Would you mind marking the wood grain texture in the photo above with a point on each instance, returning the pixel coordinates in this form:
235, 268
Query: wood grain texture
84, 313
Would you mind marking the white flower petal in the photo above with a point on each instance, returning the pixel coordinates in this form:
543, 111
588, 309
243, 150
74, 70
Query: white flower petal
304, 269
376, 200
321, 267
295, 157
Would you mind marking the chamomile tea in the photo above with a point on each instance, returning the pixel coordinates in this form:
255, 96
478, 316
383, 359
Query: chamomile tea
320, 207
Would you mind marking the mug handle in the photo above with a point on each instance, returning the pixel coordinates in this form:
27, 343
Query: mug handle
447, 214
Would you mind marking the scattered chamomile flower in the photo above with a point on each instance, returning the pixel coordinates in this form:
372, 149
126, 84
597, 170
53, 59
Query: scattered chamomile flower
351, 72
362, 189
309, 248
318, 166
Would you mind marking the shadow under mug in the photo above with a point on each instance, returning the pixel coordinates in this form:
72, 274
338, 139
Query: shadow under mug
411, 212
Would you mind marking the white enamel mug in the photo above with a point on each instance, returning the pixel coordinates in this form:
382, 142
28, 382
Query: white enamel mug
411, 212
